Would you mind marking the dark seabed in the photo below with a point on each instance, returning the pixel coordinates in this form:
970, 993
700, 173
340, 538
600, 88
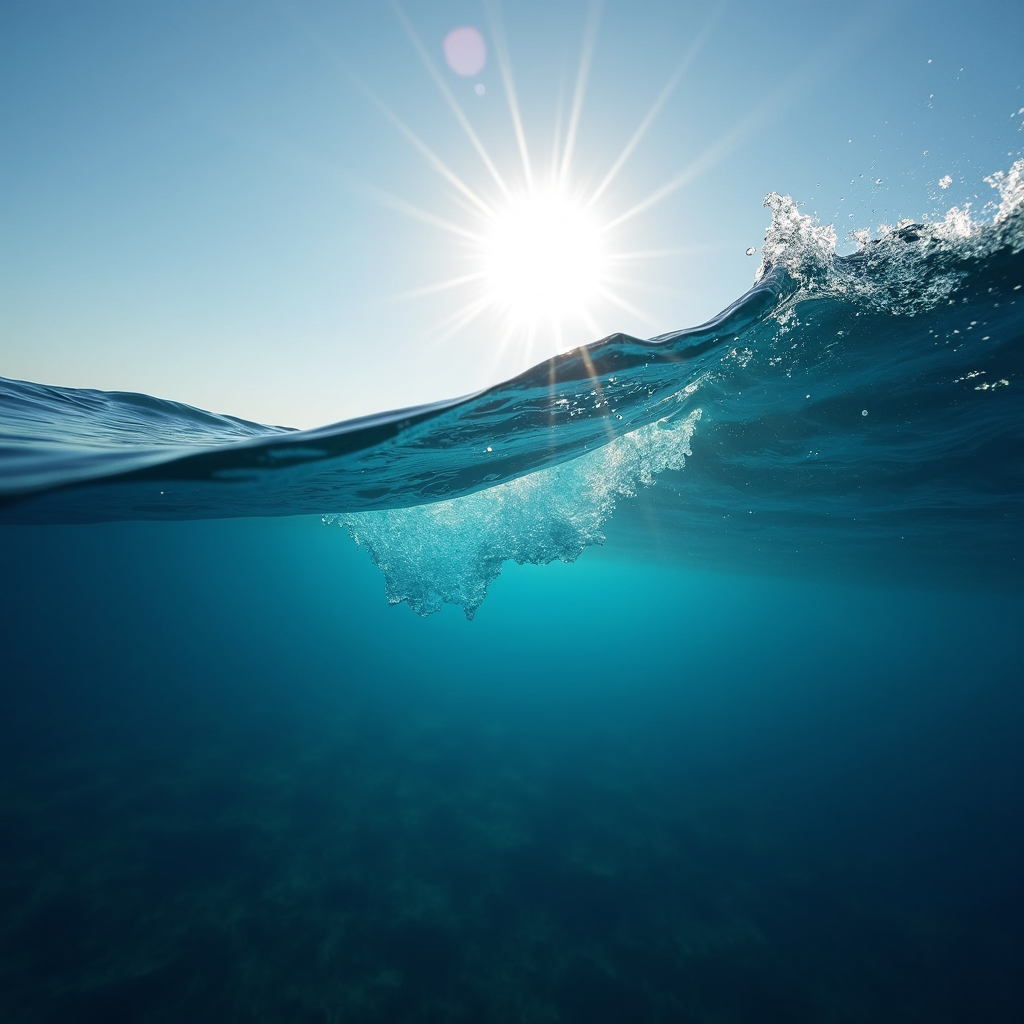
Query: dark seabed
237, 786
756, 759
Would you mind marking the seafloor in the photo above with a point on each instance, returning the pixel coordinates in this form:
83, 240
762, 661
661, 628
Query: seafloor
235, 785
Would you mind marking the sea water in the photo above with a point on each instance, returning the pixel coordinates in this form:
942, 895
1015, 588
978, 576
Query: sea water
702, 701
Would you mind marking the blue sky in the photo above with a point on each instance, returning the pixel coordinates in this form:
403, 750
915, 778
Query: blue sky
208, 202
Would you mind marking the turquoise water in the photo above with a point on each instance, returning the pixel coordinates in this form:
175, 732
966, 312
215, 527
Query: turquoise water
738, 738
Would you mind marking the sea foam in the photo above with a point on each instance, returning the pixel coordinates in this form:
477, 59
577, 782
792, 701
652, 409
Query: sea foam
448, 552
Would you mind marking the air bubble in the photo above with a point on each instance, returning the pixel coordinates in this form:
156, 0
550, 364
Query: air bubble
751, 250
450, 551
863, 412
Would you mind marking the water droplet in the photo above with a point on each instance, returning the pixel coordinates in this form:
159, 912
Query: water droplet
751, 251
878, 181
488, 448
479, 88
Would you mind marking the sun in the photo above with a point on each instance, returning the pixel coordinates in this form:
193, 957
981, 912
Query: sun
543, 259
540, 254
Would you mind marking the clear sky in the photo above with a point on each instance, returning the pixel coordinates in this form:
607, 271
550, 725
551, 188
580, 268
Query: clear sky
245, 206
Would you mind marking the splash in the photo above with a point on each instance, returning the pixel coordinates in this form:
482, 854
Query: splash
1010, 186
905, 269
793, 241
449, 552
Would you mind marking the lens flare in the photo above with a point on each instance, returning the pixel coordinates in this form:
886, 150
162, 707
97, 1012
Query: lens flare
465, 51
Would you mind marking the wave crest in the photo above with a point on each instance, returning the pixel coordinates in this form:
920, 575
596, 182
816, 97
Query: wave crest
904, 270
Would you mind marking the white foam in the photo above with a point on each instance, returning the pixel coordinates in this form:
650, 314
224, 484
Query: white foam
901, 258
448, 552
795, 241
902, 272
1011, 201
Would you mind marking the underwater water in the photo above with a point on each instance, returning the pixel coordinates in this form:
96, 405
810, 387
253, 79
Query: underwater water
756, 755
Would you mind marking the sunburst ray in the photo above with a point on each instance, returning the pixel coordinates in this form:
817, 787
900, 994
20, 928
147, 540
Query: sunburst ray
617, 300
416, 213
695, 47
657, 254
431, 157
451, 101
582, 74
505, 68
758, 118
456, 321
438, 286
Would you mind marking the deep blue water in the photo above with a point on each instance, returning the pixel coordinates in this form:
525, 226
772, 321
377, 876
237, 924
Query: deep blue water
755, 756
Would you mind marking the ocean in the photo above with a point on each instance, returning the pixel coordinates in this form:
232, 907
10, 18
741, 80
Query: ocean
677, 679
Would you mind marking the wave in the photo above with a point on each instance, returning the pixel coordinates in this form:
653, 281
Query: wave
877, 387
449, 551
70, 455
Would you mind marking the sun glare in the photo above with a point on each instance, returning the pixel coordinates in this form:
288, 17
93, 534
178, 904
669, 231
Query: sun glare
543, 259
537, 255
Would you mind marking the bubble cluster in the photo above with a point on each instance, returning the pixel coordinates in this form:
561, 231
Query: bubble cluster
450, 551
